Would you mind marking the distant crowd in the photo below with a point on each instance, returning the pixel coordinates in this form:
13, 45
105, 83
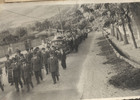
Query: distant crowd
22, 67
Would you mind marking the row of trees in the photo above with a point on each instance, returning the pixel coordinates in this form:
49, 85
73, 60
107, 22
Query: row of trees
68, 21
120, 18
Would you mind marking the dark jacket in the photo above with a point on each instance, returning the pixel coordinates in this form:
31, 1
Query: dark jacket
39, 54
45, 57
16, 70
27, 70
28, 57
63, 56
10, 73
7, 65
36, 63
53, 64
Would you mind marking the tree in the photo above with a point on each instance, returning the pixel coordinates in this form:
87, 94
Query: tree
21, 31
134, 7
83, 24
38, 26
46, 24
122, 17
129, 22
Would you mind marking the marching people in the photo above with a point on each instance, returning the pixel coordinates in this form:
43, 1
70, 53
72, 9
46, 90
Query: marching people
7, 63
27, 74
9, 70
18, 55
45, 56
24, 66
19, 62
39, 54
28, 57
76, 44
27, 44
63, 59
16, 74
10, 49
53, 63
36, 65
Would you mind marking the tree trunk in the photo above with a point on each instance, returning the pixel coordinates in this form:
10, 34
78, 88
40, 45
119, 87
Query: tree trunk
132, 35
125, 36
136, 21
112, 30
119, 35
116, 33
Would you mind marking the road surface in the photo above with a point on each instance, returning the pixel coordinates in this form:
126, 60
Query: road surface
86, 77
65, 89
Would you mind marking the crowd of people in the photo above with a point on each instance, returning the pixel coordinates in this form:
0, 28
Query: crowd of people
22, 67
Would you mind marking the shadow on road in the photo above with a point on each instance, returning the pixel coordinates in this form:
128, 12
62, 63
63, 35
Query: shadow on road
127, 77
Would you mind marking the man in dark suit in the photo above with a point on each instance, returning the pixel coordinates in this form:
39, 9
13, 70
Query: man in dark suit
16, 74
39, 54
28, 57
45, 56
63, 59
53, 63
36, 65
27, 74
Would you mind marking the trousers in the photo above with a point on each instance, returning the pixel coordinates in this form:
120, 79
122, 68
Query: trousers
54, 76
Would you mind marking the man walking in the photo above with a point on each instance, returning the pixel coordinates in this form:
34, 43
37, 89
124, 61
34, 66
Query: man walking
36, 65
63, 59
27, 74
53, 63
16, 74
45, 56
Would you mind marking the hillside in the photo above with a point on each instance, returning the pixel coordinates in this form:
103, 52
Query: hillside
15, 15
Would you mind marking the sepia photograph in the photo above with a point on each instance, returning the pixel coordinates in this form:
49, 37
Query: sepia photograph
69, 50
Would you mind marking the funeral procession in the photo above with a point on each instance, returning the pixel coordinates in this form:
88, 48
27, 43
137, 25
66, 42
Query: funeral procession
65, 51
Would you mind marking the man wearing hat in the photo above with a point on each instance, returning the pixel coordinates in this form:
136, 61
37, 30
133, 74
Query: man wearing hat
29, 56
9, 70
53, 64
63, 59
27, 74
36, 65
7, 63
45, 56
16, 74
39, 54
18, 54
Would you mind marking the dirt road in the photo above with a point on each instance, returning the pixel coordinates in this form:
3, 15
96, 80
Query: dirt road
97, 75
65, 89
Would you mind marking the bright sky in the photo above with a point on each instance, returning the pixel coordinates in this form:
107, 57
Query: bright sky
16, 14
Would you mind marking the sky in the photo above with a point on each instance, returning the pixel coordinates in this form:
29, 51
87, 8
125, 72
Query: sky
18, 14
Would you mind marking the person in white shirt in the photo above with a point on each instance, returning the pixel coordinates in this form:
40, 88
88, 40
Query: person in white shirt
10, 49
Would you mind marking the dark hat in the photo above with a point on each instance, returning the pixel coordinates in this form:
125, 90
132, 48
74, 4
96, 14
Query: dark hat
35, 52
27, 49
37, 48
52, 52
31, 48
7, 55
14, 59
18, 51
24, 60
43, 48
